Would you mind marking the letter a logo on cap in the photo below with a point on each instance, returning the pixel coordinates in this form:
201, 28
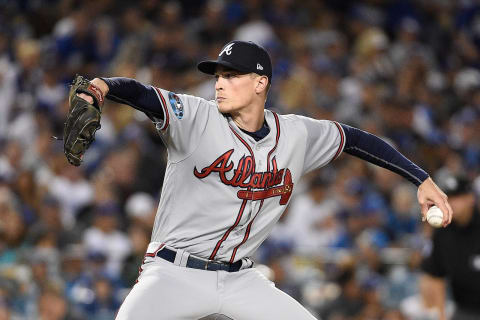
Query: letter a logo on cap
227, 50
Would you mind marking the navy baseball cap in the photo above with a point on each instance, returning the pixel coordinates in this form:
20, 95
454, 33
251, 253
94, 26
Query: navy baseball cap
243, 56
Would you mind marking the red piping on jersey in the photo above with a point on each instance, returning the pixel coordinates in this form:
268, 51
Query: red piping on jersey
277, 123
342, 141
165, 109
246, 145
239, 216
242, 207
247, 232
154, 254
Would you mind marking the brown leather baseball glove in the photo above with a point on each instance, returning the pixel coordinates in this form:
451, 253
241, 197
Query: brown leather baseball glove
83, 119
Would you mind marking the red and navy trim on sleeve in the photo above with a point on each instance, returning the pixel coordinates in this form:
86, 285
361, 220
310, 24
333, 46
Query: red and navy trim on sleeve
342, 141
166, 117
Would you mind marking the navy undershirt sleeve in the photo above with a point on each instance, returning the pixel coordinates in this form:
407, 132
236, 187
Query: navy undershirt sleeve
135, 94
371, 148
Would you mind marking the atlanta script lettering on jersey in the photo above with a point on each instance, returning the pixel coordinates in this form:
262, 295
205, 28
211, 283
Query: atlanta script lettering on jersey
244, 176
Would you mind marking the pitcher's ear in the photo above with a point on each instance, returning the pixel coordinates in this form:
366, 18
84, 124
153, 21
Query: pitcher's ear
261, 84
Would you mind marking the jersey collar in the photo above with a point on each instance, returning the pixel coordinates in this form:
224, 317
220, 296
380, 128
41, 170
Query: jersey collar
270, 138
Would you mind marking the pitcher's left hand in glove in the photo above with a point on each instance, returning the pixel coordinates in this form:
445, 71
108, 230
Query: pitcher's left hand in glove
83, 119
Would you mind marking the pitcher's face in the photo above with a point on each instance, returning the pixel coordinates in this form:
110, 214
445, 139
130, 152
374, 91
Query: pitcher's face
233, 90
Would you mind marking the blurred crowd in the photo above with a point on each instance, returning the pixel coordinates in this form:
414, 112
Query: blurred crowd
350, 244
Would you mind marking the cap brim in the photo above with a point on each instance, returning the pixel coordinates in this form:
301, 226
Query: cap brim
209, 67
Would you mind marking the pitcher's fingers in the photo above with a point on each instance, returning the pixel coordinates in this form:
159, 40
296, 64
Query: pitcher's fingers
446, 212
85, 97
450, 210
424, 209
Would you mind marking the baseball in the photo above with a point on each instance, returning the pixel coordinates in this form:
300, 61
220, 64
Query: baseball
435, 217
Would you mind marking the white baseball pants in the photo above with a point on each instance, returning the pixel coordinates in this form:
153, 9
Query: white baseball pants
170, 292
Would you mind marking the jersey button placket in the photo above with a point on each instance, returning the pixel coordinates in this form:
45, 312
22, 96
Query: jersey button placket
258, 158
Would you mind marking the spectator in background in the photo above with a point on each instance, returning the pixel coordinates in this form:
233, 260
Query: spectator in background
49, 221
402, 219
71, 188
4, 311
6, 299
52, 306
29, 195
72, 266
106, 303
455, 256
205, 28
12, 228
349, 303
8, 89
106, 43
88, 288
141, 209
139, 237
105, 238
10, 160
312, 219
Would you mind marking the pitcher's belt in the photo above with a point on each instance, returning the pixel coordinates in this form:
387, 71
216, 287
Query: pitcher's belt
172, 256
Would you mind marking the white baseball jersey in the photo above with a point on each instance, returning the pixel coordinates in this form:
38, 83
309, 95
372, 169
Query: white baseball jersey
223, 191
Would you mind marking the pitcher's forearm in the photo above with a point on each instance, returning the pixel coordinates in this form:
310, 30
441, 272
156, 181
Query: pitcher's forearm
133, 93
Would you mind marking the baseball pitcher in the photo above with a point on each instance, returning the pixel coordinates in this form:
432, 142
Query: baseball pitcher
232, 167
